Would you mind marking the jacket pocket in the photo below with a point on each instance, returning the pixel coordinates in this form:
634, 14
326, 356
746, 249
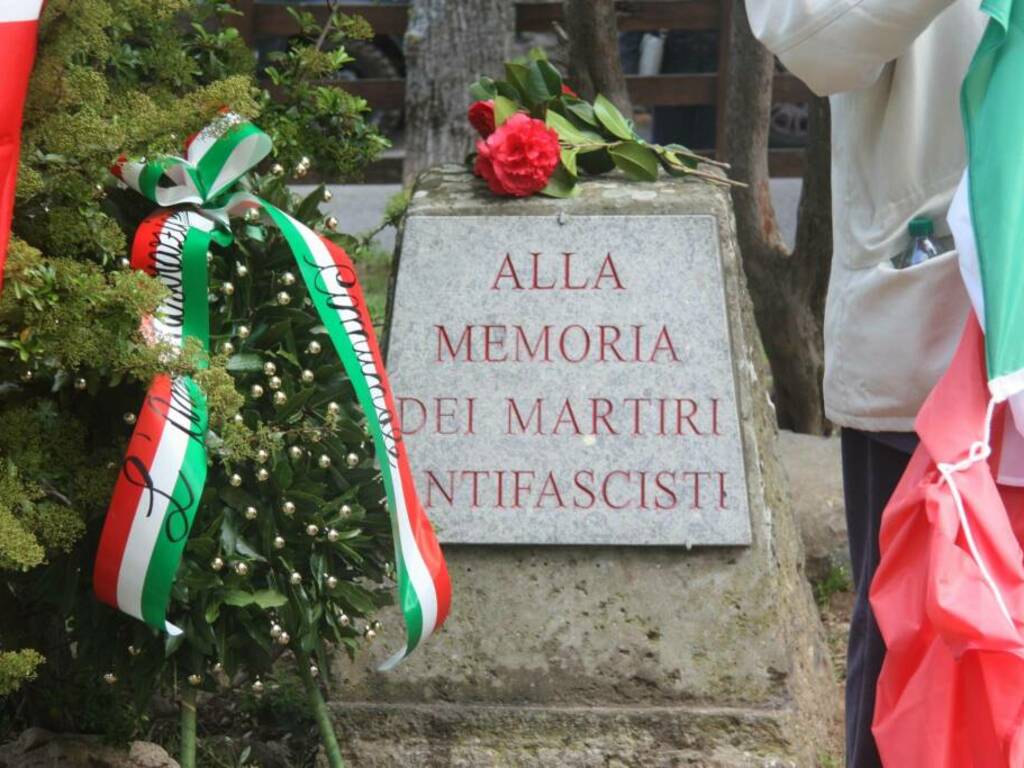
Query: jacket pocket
895, 338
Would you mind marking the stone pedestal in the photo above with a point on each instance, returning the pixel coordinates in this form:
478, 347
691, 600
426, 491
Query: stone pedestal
593, 635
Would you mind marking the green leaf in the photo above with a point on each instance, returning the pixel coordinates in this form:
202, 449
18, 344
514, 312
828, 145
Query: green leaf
318, 563
269, 598
238, 598
312, 500
636, 161
310, 205
295, 403
518, 76
551, 76
257, 633
561, 184
199, 579
201, 637
228, 534
567, 132
537, 84
674, 162
582, 110
273, 334
244, 362
202, 547
246, 549
356, 597
282, 475
595, 162
569, 160
483, 89
612, 119
307, 642
237, 498
503, 109
352, 533
506, 89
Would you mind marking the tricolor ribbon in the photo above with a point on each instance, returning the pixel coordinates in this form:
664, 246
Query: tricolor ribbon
171, 245
154, 502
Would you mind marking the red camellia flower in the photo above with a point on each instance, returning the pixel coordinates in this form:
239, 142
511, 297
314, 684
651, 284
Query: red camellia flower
569, 91
481, 117
519, 157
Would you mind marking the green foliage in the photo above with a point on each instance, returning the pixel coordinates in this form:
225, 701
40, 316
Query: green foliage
374, 265
312, 553
112, 77
20, 549
285, 709
595, 138
308, 117
42, 308
134, 77
396, 207
16, 667
835, 581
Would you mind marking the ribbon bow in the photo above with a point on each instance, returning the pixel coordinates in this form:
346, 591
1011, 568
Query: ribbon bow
215, 159
162, 477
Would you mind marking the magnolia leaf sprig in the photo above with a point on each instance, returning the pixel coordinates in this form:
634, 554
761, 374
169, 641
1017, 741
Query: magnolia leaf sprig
594, 138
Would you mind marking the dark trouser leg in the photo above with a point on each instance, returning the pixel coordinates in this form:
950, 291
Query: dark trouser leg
872, 467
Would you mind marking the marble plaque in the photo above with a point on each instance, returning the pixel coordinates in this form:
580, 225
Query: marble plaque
569, 379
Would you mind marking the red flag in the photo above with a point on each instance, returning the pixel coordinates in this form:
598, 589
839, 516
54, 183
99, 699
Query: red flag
949, 592
19, 21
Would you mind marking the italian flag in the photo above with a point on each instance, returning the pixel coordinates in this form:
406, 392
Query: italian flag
948, 595
19, 21
988, 213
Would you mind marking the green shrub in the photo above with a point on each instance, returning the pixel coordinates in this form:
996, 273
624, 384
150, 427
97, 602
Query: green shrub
134, 77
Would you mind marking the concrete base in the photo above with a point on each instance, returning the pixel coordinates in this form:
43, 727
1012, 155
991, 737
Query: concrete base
613, 656
484, 736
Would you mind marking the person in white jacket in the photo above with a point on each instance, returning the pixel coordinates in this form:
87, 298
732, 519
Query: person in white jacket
893, 70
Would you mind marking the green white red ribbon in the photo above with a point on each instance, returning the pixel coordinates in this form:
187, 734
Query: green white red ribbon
161, 480
154, 502
172, 246
423, 583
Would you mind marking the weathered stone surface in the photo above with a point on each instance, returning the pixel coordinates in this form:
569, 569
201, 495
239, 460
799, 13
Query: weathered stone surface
608, 655
568, 379
814, 467
37, 748
451, 736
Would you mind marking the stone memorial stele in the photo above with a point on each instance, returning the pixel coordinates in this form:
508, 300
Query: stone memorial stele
583, 395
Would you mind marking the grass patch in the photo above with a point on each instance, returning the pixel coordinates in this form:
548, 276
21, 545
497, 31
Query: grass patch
836, 580
373, 264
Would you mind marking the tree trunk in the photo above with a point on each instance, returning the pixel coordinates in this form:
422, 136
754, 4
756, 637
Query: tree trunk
787, 287
594, 63
448, 45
